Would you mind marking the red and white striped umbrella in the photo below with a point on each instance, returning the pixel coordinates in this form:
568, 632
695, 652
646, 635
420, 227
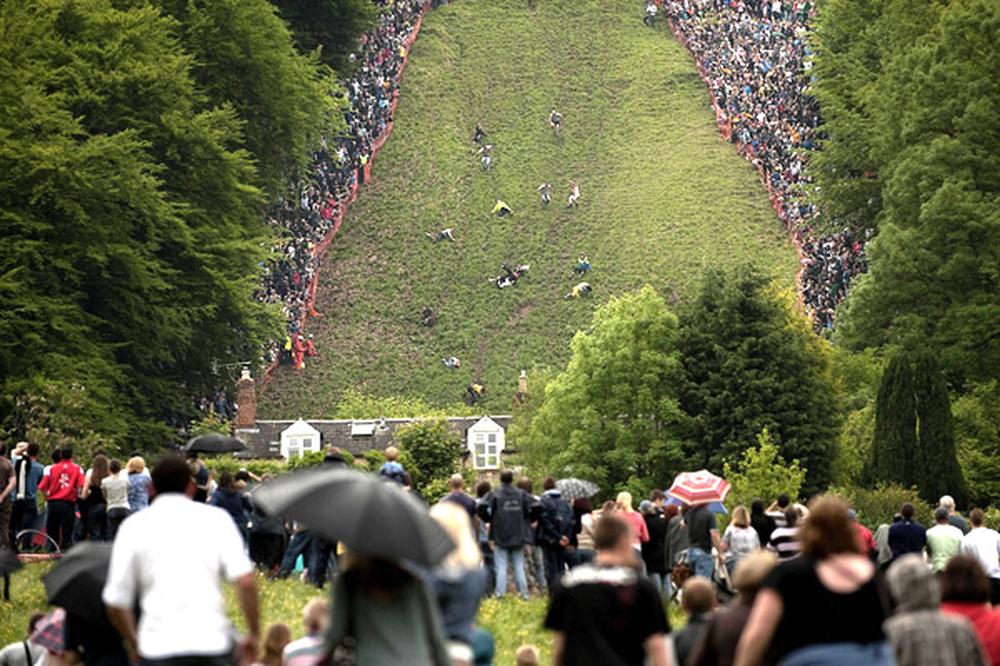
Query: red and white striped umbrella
701, 487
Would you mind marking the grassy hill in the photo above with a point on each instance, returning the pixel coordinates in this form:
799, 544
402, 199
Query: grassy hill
663, 197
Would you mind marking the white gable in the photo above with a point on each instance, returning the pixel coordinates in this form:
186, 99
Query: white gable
485, 440
299, 439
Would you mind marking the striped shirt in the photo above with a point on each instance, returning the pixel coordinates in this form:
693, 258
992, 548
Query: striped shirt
307, 651
785, 542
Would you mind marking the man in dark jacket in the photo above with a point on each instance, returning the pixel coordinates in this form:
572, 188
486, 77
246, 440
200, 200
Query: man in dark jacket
555, 530
507, 511
323, 552
906, 536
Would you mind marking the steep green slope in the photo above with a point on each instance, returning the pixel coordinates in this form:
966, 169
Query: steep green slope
662, 197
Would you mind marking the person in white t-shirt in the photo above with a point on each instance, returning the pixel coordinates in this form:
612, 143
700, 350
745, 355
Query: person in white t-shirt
984, 544
168, 559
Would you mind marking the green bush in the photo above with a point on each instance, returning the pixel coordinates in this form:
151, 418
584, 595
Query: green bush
433, 451
877, 505
761, 473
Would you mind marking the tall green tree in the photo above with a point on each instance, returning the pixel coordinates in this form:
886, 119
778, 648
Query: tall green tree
939, 473
330, 26
612, 415
933, 281
977, 430
895, 455
131, 225
245, 59
753, 364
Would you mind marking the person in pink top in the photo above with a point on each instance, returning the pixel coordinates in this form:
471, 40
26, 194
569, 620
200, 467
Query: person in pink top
640, 533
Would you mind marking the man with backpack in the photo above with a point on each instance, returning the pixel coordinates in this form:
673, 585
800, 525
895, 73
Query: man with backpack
555, 531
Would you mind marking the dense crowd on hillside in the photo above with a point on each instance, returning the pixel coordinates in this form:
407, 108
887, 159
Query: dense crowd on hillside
789, 583
304, 218
754, 58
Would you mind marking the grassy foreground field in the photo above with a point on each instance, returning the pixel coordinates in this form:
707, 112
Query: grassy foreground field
663, 197
511, 621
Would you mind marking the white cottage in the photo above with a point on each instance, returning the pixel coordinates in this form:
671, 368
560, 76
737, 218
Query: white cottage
485, 440
298, 439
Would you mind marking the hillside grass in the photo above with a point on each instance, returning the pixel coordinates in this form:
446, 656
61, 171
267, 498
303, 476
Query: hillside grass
511, 621
663, 198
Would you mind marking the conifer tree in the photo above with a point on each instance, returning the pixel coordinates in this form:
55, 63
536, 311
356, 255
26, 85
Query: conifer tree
895, 455
939, 472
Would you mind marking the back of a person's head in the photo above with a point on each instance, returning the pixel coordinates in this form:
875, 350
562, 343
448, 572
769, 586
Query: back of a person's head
740, 517
647, 508
828, 530
525, 484
56, 456
624, 501
913, 585
657, 496
507, 477
941, 515
136, 465
314, 615
947, 502
698, 595
33, 450
226, 480
455, 522
583, 505
334, 451
456, 482
100, 468
907, 511
965, 581
977, 517
783, 500
67, 453
549, 483
609, 508
527, 655
33, 622
610, 531
391, 453
670, 510
752, 570
115, 466
791, 516
171, 475
483, 488
757, 507
276, 637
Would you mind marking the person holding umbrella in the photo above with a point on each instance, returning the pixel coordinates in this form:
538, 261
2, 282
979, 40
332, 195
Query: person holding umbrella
698, 490
168, 560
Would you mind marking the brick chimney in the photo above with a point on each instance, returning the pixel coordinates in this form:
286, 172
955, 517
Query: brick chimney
246, 401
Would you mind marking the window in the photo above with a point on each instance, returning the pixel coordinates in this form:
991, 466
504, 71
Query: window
486, 451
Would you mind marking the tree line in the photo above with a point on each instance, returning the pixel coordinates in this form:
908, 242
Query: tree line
139, 143
911, 150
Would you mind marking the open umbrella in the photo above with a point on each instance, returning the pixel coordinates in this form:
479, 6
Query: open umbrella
215, 442
8, 562
76, 582
701, 487
370, 516
714, 507
573, 489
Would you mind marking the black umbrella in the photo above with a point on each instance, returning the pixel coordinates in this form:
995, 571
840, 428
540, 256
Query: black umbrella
373, 517
215, 442
76, 582
8, 562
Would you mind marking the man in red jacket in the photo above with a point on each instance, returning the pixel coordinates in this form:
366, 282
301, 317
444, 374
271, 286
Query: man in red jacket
62, 488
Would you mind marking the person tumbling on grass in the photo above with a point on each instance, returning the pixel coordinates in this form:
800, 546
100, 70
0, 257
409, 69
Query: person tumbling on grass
474, 393
650, 18
485, 158
555, 121
545, 191
443, 235
479, 135
579, 291
501, 209
574, 194
452, 362
582, 265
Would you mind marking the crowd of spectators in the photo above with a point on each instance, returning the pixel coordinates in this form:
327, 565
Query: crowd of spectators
303, 218
754, 57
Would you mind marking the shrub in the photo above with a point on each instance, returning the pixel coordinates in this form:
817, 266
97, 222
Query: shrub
877, 505
762, 473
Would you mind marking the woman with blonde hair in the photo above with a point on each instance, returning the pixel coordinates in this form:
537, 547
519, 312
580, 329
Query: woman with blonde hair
138, 484
740, 538
823, 608
640, 533
459, 581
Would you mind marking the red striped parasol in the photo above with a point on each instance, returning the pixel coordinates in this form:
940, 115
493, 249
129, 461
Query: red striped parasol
701, 487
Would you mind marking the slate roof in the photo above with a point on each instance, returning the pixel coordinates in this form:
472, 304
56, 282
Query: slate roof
263, 441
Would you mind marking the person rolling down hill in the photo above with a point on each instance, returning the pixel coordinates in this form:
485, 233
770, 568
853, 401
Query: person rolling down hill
555, 121
650, 18
545, 190
510, 275
582, 265
486, 158
474, 393
452, 362
579, 291
444, 234
574, 194
479, 135
502, 209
